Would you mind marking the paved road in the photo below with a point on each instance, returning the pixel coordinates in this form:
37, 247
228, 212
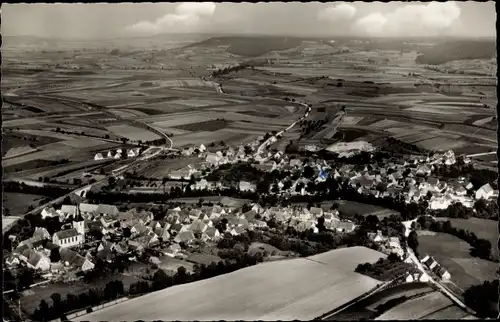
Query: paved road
443, 289
268, 141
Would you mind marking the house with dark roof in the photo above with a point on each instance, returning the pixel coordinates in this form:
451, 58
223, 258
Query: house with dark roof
107, 210
211, 234
184, 237
68, 210
38, 261
75, 260
87, 208
67, 238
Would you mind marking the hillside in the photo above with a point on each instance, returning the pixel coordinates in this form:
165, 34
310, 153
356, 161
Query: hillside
250, 46
301, 288
457, 50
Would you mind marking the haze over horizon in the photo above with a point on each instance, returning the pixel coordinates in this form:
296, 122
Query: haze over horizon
376, 19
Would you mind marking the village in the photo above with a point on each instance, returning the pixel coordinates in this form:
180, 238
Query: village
100, 231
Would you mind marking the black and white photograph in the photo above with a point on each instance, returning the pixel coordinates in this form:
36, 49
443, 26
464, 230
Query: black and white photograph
207, 161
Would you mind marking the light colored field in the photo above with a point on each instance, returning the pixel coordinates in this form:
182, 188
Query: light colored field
181, 120
483, 121
433, 110
384, 124
18, 151
49, 134
8, 221
441, 144
197, 103
417, 308
351, 120
21, 122
83, 143
285, 290
133, 133
244, 131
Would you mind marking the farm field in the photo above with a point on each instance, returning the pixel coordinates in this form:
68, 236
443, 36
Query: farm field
350, 208
417, 308
18, 203
275, 282
133, 133
483, 228
368, 308
453, 254
31, 301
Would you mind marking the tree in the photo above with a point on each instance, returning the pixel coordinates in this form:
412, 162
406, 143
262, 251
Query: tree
308, 172
483, 299
55, 256
413, 242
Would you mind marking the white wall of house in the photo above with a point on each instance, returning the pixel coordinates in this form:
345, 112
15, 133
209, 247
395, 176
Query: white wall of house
68, 242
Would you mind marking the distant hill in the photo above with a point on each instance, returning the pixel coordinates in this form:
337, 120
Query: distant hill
457, 50
251, 46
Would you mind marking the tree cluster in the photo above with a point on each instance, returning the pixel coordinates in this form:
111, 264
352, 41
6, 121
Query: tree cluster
483, 299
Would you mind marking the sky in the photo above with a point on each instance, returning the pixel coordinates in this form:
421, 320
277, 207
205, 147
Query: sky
372, 19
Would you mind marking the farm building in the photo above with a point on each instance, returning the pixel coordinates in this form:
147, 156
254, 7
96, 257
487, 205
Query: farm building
98, 156
49, 212
246, 186
38, 261
485, 192
72, 258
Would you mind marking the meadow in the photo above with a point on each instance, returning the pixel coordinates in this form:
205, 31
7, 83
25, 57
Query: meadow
453, 254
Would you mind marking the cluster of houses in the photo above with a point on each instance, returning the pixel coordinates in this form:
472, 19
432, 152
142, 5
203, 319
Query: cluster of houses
387, 244
131, 153
435, 267
132, 232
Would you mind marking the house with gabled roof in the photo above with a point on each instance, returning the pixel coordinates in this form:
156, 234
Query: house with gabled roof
69, 210
86, 208
72, 258
67, 238
184, 237
485, 192
198, 226
49, 212
38, 261
172, 250
162, 233
211, 234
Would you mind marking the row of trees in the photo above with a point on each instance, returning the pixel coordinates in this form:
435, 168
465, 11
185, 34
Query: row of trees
227, 70
21, 187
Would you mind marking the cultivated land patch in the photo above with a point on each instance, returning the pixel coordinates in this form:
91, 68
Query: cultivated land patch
133, 133
212, 125
262, 292
483, 228
18, 203
453, 254
417, 308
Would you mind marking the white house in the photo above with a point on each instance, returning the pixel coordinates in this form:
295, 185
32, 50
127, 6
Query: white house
68, 238
246, 186
110, 154
485, 192
202, 148
49, 212
98, 156
68, 210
